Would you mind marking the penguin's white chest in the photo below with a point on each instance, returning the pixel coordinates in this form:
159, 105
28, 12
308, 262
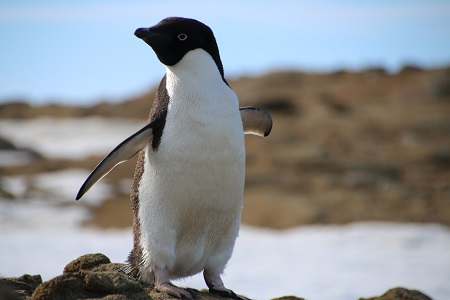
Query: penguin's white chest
190, 194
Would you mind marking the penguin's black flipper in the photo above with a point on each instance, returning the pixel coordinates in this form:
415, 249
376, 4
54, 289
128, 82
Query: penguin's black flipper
256, 121
126, 150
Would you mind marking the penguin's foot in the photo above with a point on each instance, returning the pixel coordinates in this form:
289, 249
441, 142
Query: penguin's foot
216, 286
170, 289
163, 285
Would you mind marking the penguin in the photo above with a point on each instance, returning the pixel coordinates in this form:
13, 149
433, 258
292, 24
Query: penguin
187, 194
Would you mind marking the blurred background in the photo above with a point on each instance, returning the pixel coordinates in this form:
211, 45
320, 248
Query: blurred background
353, 182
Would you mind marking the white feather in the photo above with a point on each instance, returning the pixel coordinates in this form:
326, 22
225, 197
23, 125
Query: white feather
191, 189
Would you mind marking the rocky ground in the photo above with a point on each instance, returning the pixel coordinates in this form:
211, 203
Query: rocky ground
345, 146
93, 276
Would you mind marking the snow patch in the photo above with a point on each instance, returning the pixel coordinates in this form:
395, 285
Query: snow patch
9, 158
58, 187
69, 138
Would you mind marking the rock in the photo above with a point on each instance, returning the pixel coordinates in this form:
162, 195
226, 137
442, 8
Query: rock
86, 262
94, 277
6, 145
400, 293
20, 287
288, 298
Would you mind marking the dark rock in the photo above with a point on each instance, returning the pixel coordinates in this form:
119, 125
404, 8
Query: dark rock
441, 89
411, 69
9, 146
99, 282
20, 287
335, 104
288, 298
279, 104
375, 70
92, 276
440, 159
86, 262
6, 145
400, 293
68, 286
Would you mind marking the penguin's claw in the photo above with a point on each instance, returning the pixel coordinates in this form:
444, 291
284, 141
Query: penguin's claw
173, 290
224, 292
216, 286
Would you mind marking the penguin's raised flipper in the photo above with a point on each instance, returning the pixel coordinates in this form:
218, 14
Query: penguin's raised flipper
256, 121
126, 150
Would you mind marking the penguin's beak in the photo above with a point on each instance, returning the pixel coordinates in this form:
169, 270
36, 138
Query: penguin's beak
145, 33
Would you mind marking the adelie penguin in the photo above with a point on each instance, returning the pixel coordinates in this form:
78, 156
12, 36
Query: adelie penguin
189, 179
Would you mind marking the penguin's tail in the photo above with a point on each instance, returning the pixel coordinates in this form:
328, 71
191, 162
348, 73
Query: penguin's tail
131, 267
130, 271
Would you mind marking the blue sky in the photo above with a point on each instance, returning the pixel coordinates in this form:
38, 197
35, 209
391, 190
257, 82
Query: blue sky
82, 51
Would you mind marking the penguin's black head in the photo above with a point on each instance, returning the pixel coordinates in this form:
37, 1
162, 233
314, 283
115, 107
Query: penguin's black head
173, 37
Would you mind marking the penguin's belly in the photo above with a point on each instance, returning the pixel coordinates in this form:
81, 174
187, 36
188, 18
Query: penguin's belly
190, 195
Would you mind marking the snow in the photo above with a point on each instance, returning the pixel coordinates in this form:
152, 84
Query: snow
10, 158
69, 138
57, 187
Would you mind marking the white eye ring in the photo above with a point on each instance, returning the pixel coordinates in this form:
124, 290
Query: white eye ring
182, 36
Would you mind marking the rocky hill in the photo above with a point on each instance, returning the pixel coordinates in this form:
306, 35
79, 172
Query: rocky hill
345, 146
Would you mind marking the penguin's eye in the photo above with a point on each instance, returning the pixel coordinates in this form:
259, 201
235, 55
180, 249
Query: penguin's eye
182, 36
